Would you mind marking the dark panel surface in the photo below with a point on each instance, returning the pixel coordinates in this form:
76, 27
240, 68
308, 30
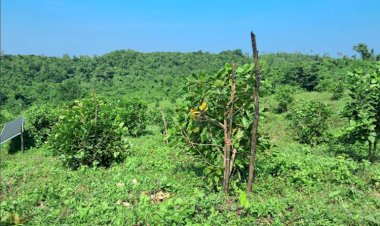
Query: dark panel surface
11, 129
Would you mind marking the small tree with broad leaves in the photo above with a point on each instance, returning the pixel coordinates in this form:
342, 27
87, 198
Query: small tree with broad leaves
364, 110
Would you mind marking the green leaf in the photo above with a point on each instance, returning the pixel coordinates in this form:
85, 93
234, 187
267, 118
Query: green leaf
245, 122
179, 201
227, 66
243, 199
239, 135
204, 136
218, 83
79, 155
372, 139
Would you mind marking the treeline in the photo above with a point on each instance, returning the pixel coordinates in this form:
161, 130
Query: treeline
36, 79
28, 79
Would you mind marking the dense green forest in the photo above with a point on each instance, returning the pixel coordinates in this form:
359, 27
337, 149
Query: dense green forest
131, 138
29, 80
38, 79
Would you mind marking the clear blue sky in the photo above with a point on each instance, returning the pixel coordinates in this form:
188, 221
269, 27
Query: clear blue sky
88, 27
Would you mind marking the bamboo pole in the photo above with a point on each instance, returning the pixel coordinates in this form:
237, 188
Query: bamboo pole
256, 116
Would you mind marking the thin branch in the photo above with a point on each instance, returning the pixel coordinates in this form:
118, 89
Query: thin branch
216, 122
232, 160
193, 145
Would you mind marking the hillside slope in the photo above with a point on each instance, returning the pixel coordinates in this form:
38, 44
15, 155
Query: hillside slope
158, 185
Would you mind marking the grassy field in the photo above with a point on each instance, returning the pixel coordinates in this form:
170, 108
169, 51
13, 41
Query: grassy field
159, 185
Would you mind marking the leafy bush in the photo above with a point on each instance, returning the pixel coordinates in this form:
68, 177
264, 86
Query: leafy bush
89, 133
357, 151
304, 74
304, 169
70, 89
2, 119
133, 113
39, 121
375, 177
202, 118
284, 96
5, 117
3, 98
338, 91
308, 120
364, 110
162, 115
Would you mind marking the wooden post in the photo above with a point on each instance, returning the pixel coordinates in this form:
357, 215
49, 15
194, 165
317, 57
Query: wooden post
256, 116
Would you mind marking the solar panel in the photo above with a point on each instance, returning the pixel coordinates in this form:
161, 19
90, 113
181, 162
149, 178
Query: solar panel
12, 129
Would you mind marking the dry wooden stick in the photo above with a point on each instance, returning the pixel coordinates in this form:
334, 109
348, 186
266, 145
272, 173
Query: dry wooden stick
232, 161
225, 115
230, 116
256, 116
228, 132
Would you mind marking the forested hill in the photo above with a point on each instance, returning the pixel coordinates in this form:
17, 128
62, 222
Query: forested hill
29, 79
111, 138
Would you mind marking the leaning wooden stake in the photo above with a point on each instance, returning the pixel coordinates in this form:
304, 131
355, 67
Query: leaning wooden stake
256, 116
228, 117
231, 115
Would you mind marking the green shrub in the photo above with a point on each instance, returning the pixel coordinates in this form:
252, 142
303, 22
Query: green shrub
374, 177
161, 115
200, 123
363, 110
133, 113
303, 74
309, 121
338, 91
301, 168
285, 98
2, 119
5, 117
39, 122
89, 133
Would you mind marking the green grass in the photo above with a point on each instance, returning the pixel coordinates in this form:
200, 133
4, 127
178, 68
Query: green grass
277, 126
43, 191
158, 185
